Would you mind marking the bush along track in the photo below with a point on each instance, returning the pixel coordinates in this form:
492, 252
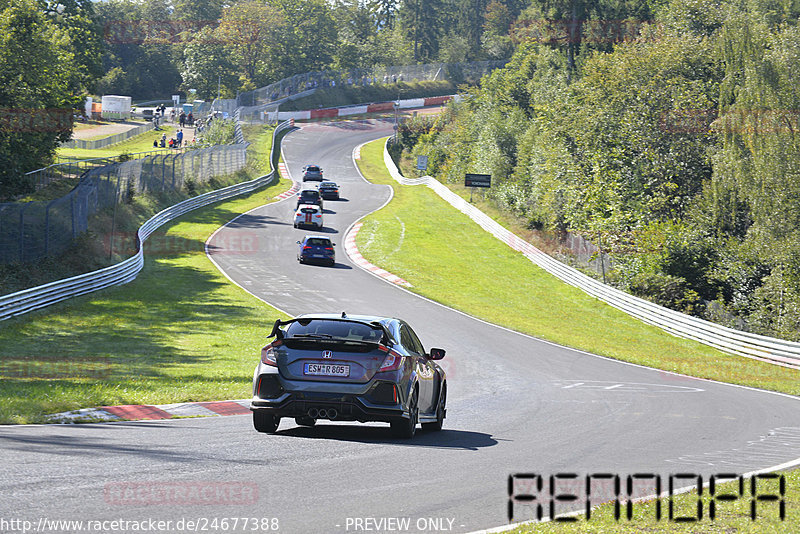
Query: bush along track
155, 340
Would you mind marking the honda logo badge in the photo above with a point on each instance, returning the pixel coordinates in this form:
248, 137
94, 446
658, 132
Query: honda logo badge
326, 354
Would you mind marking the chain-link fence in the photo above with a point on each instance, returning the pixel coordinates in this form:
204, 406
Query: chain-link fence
30, 231
74, 168
310, 81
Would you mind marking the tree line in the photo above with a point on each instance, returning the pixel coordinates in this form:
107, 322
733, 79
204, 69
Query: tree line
668, 132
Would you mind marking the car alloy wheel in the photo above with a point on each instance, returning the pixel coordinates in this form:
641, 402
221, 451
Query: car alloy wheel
405, 428
440, 411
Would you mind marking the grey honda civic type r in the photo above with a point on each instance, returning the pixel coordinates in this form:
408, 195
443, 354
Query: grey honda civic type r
348, 368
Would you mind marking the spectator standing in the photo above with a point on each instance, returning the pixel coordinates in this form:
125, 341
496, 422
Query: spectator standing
190, 118
163, 143
182, 119
179, 138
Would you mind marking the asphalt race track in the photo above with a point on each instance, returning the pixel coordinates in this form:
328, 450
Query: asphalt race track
515, 405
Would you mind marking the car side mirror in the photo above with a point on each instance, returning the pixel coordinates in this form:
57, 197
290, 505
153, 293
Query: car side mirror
436, 354
298, 242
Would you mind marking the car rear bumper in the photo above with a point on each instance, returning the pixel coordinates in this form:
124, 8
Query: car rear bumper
346, 406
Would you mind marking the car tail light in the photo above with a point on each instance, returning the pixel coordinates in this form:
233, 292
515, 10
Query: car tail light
306, 247
268, 356
393, 360
329, 248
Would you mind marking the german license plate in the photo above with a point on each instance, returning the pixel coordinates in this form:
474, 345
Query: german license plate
326, 369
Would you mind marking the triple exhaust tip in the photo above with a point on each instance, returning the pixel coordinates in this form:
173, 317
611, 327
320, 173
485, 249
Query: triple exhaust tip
323, 413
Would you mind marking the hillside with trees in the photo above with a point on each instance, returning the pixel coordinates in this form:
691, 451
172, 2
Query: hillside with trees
675, 143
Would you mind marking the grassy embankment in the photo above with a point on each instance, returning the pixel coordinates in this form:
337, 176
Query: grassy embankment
155, 340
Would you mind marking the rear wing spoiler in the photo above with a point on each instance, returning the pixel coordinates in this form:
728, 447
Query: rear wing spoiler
277, 332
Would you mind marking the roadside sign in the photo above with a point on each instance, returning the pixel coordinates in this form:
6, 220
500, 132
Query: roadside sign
477, 180
422, 163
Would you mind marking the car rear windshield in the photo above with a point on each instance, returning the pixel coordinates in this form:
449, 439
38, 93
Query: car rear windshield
309, 194
309, 210
318, 242
312, 168
327, 186
335, 329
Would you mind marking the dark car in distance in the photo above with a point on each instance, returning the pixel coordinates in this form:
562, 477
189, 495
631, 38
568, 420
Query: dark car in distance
309, 196
312, 173
348, 368
316, 248
329, 190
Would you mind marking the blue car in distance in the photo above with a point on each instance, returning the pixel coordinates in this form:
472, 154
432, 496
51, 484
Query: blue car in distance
316, 248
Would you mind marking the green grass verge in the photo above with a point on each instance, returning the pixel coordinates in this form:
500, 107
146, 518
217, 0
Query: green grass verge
730, 517
438, 255
155, 340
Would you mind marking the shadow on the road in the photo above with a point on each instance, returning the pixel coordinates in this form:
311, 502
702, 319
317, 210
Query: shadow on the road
444, 439
253, 221
326, 266
327, 230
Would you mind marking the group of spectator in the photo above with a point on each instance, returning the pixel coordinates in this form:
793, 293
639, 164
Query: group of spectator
173, 142
186, 120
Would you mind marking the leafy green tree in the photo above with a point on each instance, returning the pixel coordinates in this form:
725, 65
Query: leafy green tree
144, 45
308, 44
207, 66
423, 22
251, 31
79, 20
38, 76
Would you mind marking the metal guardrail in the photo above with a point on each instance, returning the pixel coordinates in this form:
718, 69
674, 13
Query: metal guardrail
764, 348
110, 140
38, 297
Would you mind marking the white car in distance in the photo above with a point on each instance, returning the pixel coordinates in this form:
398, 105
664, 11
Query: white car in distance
308, 215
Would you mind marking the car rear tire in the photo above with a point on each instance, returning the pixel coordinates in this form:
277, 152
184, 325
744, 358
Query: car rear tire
265, 422
305, 421
440, 411
405, 428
